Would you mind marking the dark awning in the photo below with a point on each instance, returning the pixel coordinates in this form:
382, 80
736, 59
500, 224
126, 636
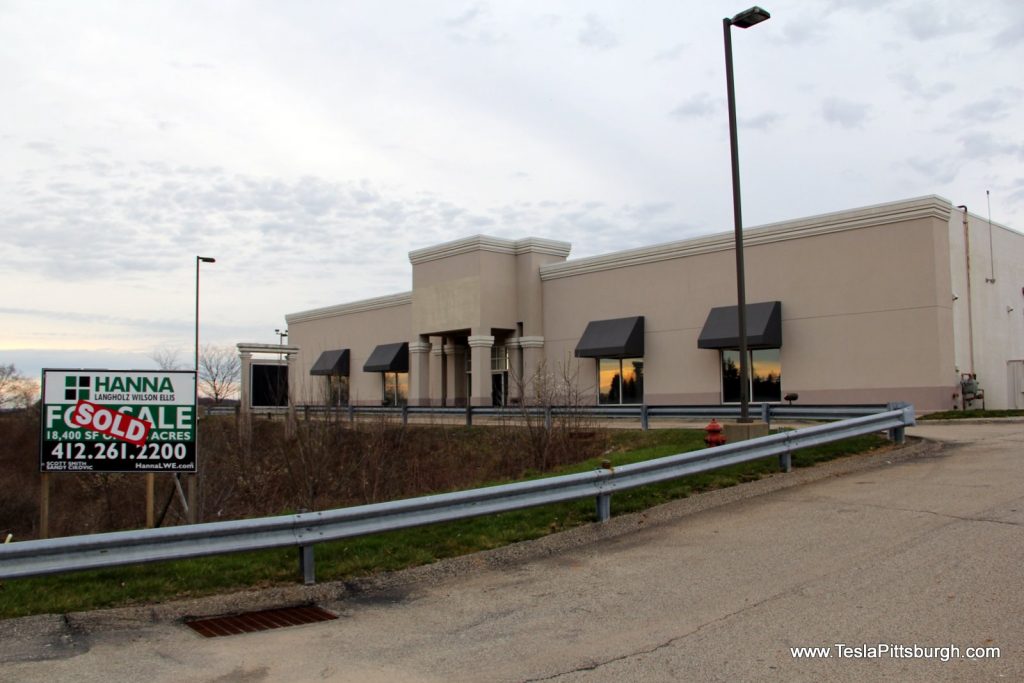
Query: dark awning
617, 338
331, 363
764, 327
389, 358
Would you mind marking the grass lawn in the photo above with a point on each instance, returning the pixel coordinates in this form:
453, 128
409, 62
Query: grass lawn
964, 414
395, 550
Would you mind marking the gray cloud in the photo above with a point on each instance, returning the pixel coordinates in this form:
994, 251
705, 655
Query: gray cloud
592, 227
468, 16
926, 22
985, 146
845, 113
761, 121
802, 33
596, 35
191, 65
1013, 35
474, 26
997, 107
939, 170
698, 106
912, 85
149, 323
1017, 191
671, 54
45, 148
861, 5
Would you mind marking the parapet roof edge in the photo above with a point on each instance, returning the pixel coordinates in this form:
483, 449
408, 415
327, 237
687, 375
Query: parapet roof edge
821, 224
401, 299
260, 347
493, 244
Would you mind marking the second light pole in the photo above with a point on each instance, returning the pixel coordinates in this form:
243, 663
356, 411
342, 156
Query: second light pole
745, 19
192, 481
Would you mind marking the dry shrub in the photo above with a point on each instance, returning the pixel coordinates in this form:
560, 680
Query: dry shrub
79, 504
19, 477
267, 467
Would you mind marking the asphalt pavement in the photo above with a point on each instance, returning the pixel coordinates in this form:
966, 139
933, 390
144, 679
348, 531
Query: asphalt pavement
896, 565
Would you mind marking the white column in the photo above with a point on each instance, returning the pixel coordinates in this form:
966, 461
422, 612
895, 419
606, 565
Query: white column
517, 383
436, 371
419, 373
290, 359
533, 363
455, 357
246, 397
480, 354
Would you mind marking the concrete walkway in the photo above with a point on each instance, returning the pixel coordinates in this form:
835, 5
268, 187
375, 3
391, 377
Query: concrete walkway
917, 548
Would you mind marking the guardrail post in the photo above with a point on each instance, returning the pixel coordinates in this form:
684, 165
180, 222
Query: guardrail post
547, 418
786, 461
898, 434
405, 414
766, 414
604, 507
307, 564
644, 422
351, 413
469, 414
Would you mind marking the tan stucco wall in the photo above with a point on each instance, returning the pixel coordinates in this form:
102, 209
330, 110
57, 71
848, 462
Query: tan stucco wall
865, 311
447, 294
867, 306
360, 332
479, 291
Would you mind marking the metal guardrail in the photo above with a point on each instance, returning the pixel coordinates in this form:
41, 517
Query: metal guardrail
76, 553
643, 413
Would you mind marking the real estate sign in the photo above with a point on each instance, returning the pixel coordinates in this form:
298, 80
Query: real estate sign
118, 421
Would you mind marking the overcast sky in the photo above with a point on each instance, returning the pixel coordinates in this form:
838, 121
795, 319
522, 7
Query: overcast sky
309, 146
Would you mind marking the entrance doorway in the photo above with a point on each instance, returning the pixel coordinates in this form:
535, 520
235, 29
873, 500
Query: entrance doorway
499, 389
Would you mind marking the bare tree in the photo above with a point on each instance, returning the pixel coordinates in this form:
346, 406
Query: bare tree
167, 358
16, 390
546, 436
219, 372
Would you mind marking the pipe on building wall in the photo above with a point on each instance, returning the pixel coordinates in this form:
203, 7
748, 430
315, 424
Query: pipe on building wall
991, 251
967, 263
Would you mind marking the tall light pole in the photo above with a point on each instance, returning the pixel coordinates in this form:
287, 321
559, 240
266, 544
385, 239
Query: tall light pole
199, 259
745, 19
192, 518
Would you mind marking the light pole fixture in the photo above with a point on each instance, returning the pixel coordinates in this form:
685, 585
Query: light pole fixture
281, 334
192, 485
745, 19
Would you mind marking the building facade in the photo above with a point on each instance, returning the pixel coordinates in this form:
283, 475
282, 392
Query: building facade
883, 303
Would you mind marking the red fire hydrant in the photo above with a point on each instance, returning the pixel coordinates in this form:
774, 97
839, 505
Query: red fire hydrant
714, 436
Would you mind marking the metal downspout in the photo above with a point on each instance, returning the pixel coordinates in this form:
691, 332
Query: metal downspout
967, 262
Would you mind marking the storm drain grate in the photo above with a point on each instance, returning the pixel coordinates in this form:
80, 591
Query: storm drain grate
263, 620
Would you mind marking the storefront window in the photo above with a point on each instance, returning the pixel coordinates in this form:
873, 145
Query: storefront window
499, 358
765, 376
395, 388
620, 381
337, 387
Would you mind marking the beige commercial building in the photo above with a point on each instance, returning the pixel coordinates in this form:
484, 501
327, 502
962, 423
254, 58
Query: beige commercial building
895, 302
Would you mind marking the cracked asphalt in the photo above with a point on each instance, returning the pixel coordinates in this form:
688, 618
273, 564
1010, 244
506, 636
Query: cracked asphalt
917, 546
